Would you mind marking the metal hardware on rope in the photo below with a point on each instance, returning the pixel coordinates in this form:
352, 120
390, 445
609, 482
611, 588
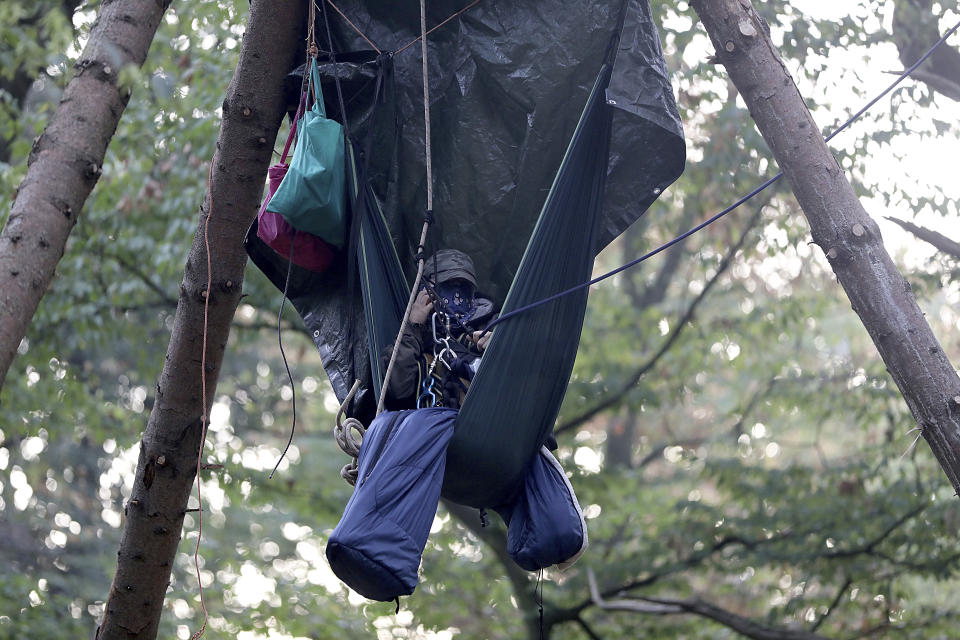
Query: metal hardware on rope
447, 350
428, 396
343, 433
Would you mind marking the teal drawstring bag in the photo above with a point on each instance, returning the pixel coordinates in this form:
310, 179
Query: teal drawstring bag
312, 196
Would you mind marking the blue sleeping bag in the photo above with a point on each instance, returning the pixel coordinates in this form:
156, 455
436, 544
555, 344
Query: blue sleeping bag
376, 547
545, 524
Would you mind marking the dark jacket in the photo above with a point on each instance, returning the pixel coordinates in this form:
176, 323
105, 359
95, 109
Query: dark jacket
416, 352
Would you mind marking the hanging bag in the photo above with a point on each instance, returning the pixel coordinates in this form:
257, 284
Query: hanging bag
303, 249
312, 195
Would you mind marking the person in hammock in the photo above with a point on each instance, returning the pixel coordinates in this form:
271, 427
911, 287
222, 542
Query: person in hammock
447, 320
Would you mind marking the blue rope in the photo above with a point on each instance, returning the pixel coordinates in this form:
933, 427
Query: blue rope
736, 204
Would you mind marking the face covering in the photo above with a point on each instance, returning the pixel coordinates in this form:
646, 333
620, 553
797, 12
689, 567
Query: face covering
457, 295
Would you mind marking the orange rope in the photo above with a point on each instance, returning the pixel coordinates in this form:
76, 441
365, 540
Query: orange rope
203, 385
355, 27
418, 38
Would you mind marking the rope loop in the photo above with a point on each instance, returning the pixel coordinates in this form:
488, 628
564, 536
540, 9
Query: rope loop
350, 473
343, 434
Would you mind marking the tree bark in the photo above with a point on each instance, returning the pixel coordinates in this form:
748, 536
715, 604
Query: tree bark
878, 293
252, 112
65, 163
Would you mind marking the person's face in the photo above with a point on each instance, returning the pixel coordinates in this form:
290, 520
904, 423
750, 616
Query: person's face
457, 296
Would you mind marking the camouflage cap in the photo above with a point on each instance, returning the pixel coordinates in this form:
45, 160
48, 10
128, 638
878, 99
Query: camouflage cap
450, 264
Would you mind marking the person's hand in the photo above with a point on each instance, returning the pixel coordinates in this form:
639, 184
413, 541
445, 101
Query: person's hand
422, 308
481, 341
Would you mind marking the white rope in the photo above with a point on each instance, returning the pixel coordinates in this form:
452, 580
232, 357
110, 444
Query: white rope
426, 222
343, 431
426, 104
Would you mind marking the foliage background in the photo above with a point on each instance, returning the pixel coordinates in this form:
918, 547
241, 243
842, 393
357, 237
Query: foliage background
763, 463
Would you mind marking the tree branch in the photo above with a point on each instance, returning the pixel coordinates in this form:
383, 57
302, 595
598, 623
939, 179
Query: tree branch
947, 86
668, 606
586, 628
634, 605
872, 545
938, 240
657, 451
740, 624
833, 605
146, 279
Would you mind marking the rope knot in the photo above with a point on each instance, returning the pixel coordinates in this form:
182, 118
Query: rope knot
343, 433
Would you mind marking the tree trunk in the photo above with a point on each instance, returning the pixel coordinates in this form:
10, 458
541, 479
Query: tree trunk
839, 225
252, 112
65, 164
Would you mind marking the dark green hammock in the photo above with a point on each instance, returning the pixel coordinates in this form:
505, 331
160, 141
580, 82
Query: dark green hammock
513, 400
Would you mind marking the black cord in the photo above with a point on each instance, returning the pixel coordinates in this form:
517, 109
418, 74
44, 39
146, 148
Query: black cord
538, 595
293, 388
736, 204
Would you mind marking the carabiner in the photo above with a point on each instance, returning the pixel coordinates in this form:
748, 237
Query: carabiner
427, 394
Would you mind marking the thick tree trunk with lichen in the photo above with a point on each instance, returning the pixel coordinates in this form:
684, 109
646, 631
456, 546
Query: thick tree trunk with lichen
65, 161
851, 239
252, 111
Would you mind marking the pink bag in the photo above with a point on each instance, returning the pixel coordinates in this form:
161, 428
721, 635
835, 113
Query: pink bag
310, 252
